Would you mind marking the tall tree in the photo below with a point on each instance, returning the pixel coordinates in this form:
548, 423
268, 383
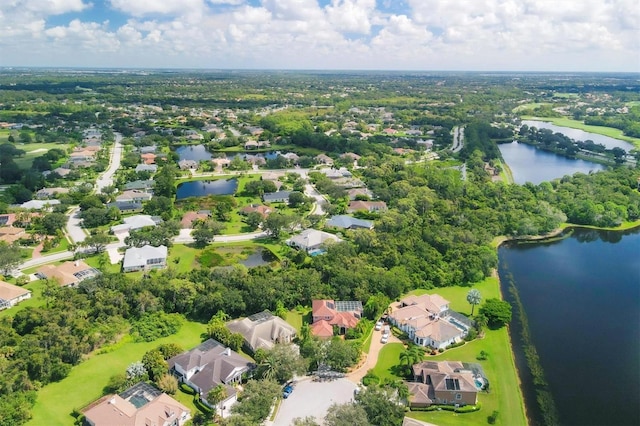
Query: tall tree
474, 298
216, 395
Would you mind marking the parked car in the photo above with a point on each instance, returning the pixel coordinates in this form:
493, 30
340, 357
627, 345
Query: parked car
385, 338
287, 391
386, 330
379, 325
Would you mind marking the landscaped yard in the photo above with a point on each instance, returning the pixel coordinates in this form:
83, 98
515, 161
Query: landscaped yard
84, 384
505, 395
36, 299
34, 150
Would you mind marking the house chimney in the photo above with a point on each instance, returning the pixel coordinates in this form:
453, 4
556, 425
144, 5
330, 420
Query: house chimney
112, 401
227, 352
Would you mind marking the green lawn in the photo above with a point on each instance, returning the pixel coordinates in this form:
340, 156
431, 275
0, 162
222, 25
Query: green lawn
505, 395
34, 150
575, 124
296, 319
84, 384
389, 361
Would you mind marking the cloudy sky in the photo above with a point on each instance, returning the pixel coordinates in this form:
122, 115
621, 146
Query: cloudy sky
526, 35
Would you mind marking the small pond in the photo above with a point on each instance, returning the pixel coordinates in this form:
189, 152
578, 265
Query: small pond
194, 152
258, 258
201, 188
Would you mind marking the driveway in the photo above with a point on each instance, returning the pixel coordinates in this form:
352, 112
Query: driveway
372, 357
311, 398
74, 226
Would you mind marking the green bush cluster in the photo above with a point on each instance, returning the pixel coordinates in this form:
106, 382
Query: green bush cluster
155, 325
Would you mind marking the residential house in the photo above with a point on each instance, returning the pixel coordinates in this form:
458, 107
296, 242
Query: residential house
190, 217
428, 321
276, 197
140, 405
11, 295
324, 159
353, 193
272, 176
445, 382
350, 156
46, 193
336, 173
147, 168
208, 365
82, 156
263, 330
135, 222
312, 241
7, 219
133, 195
144, 258
68, 274
61, 171
257, 208
10, 234
293, 157
370, 206
148, 158
251, 145
348, 222
188, 164
140, 185
126, 206
151, 149
39, 204
327, 314
428, 144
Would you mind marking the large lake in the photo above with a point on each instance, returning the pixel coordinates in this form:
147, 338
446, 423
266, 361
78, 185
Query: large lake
529, 164
582, 299
200, 153
200, 188
580, 135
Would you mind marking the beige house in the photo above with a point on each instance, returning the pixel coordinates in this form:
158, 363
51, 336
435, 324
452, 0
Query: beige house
446, 382
10, 234
140, 405
428, 321
68, 274
11, 295
263, 330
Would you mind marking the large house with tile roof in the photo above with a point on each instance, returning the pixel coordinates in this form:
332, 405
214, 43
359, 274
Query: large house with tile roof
445, 382
11, 295
428, 321
327, 314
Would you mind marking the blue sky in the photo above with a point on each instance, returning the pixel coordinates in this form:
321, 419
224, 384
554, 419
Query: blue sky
518, 35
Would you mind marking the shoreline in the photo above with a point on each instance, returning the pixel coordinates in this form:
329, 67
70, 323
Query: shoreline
502, 239
590, 128
556, 234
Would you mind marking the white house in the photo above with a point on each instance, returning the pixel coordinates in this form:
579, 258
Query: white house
312, 239
428, 321
134, 222
144, 258
11, 295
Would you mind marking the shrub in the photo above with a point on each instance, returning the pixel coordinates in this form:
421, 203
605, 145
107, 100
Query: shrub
168, 383
482, 356
492, 418
370, 378
155, 325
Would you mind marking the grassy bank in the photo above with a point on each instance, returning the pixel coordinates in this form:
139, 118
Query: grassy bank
84, 384
575, 124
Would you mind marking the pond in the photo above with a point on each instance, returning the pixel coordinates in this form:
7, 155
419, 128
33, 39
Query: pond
529, 164
201, 188
194, 152
581, 296
580, 135
258, 258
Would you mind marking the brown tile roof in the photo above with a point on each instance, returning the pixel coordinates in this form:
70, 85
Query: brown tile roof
10, 234
10, 291
322, 328
68, 273
263, 210
113, 410
190, 217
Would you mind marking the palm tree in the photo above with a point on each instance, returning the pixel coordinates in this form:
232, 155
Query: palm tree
474, 298
217, 395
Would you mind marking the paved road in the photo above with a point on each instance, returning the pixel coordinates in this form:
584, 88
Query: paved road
311, 191
186, 238
75, 231
106, 179
458, 139
313, 399
55, 257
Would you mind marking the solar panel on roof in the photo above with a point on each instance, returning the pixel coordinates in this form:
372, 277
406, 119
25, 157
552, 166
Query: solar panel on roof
348, 305
260, 316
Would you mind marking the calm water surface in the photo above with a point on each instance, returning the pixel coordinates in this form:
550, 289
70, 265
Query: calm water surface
194, 152
580, 135
200, 188
529, 164
582, 299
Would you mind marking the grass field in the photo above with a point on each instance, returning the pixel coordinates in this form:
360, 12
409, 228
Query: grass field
84, 384
600, 130
531, 105
36, 299
505, 396
34, 150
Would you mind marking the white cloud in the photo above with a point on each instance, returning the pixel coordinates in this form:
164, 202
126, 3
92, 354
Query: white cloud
430, 34
141, 8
